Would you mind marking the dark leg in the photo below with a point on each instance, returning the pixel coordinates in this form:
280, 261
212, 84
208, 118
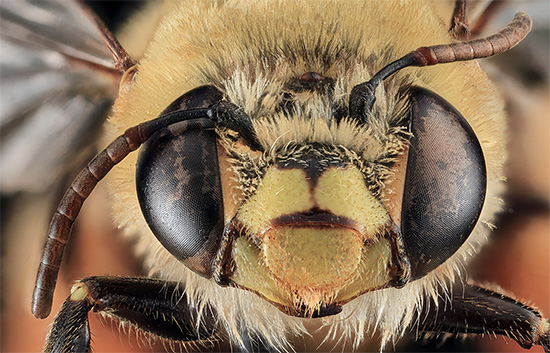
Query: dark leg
479, 310
149, 305
460, 29
486, 16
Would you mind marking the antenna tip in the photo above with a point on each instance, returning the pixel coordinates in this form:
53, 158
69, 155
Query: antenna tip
41, 305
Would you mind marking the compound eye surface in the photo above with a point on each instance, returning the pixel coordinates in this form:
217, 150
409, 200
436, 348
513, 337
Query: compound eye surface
445, 182
179, 187
200, 97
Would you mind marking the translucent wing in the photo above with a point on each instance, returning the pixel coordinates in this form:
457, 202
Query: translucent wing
57, 80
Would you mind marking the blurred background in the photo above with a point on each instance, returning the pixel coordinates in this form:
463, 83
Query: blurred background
517, 259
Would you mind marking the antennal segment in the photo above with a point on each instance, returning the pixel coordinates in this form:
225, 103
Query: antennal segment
68, 209
363, 95
494, 44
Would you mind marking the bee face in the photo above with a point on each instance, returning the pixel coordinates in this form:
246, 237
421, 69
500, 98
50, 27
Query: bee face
309, 218
296, 168
313, 236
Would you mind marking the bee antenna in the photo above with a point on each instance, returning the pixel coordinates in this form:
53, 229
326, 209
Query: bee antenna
82, 186
362, 96
68, 209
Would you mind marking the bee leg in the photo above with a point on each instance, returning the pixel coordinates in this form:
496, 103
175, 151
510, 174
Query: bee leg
149, 305
482, 311
485, 18
460, 28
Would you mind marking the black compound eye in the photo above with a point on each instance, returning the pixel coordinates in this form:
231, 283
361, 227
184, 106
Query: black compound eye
445, 183
179, 187
200, 97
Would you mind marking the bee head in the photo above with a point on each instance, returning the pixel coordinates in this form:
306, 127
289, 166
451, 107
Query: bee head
316, 227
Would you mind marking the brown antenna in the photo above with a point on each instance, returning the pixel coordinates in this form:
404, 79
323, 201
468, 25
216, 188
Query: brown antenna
68, 209
85, 182
504, 40
362, 96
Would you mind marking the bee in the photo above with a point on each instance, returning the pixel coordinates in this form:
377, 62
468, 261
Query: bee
282, 165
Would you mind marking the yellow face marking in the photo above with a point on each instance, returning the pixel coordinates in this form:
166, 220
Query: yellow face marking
230, 192
303, 263
343, 192
392, 194
305, 272
372, 273
281, 192
252, 276
317, 257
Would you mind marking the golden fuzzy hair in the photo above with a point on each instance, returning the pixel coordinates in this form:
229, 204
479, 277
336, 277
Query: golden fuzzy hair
250, 49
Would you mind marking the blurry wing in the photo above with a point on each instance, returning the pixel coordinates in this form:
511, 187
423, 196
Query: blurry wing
57, 82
